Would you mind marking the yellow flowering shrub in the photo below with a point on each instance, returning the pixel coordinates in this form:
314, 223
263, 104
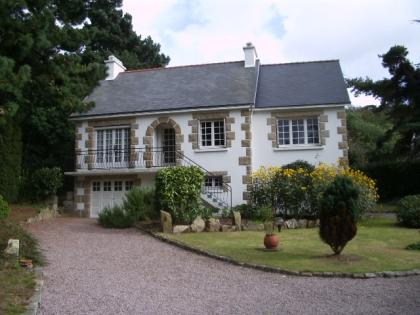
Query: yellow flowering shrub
298, 192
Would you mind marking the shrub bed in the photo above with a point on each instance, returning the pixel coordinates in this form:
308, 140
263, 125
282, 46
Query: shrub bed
139, 204
297, 192
115, 217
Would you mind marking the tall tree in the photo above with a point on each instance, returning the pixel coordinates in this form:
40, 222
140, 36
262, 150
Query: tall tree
51, 57
400, 94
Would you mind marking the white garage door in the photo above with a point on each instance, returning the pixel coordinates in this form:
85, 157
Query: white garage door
107, 193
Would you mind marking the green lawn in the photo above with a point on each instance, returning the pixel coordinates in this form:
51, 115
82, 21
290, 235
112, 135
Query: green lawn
378, 246
386, 207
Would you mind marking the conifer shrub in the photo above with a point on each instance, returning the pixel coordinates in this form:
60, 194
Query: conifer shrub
338, 213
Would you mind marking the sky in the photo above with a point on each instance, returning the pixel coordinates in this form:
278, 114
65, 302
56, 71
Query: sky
355, 32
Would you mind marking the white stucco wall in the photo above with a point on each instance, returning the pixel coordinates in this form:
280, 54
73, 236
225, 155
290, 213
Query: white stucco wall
212, 160
221, 160
263, 154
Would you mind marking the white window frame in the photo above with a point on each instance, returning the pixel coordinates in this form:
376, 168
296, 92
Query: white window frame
290, 132
212, 180
114, 144
212, 139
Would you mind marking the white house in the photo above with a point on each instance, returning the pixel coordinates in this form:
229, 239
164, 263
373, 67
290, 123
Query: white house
228, 118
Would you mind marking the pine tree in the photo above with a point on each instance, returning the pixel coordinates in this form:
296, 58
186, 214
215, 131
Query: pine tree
51, 57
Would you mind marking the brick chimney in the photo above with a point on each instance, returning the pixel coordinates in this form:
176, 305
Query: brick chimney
114, 67
250, 55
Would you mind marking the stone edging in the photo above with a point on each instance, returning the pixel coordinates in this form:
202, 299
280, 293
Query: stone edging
325, 274
34, 302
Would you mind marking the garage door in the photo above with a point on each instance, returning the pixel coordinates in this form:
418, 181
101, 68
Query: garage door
107, 193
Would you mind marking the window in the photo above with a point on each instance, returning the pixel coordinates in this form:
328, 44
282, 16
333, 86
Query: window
298, 131
128, 185
96, 186
213, 133
107, 186
118, 186
113, 145
213, 182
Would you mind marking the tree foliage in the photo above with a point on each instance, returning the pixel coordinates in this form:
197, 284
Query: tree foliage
399, 94
368, 140
51, 57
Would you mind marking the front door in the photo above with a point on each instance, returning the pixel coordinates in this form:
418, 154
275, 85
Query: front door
168, 147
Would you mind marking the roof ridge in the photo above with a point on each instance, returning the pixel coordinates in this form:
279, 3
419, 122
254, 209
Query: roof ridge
183, 66
300, 62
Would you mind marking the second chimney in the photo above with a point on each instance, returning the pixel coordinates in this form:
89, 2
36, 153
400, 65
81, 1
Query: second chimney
250, 55
114, 67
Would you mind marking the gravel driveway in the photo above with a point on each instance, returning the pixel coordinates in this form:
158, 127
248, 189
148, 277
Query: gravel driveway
93, 270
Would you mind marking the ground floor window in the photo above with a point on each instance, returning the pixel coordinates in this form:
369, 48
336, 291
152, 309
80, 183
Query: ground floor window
213, 182
128, 185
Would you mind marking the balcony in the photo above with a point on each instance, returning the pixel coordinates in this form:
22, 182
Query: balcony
141, 158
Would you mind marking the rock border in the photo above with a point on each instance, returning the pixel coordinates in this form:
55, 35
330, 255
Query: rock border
35, 300
321, 274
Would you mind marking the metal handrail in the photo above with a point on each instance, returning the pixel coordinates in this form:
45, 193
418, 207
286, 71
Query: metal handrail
225, 187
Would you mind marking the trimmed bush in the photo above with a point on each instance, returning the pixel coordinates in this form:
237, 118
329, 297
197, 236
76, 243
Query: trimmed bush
408, 213
178, 191
4, 209
141, 203
46, 182
115, 217
338, 215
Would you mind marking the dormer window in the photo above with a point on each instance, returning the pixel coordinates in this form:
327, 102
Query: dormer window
212, 133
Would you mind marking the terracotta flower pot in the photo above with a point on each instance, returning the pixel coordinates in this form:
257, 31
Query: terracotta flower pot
271, 241
26, 263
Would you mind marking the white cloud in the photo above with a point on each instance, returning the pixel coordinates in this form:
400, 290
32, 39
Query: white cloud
211, 31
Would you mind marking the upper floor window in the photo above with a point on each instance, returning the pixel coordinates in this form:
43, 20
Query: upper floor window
212, 133
113, 145
298, 131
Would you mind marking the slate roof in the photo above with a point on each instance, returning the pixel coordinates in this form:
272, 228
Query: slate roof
301, 83
172, 88
220, 84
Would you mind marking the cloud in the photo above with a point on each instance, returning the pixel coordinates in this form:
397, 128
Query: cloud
355, 32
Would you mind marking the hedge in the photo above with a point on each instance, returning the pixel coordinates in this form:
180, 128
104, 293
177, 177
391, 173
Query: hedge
395, 179
10, 159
